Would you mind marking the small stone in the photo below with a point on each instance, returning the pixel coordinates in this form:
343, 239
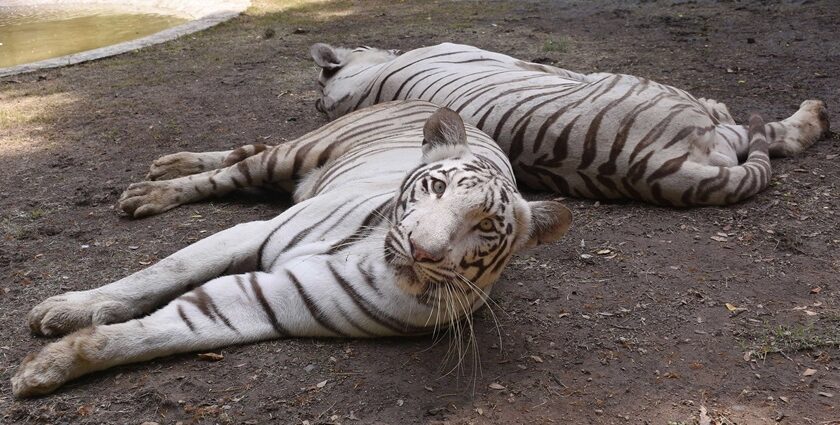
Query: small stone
310, 368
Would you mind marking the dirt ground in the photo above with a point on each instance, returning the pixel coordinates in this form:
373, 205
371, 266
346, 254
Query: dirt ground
642, 315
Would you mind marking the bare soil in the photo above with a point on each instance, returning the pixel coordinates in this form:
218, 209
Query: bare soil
637, 317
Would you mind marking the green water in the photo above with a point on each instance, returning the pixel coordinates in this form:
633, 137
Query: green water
37, 33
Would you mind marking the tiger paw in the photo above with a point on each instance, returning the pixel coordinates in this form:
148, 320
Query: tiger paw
72, 311
816, 112
149, 198
55, 364
184, 164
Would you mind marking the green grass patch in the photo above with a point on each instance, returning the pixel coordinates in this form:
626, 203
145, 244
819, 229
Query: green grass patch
557, 45
822, 334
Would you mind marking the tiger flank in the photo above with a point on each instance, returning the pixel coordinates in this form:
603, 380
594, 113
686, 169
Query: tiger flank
405, 220
600, 136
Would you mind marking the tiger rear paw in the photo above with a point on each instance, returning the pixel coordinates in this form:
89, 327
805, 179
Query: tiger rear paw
809, 124
184, 164
62, 314
149, 198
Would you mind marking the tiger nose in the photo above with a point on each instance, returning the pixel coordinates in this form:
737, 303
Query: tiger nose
421, 254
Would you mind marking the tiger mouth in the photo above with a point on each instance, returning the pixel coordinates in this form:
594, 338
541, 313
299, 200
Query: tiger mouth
413, 272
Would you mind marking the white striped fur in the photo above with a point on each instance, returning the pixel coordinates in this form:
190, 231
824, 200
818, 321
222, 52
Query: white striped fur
602, 136
380, 243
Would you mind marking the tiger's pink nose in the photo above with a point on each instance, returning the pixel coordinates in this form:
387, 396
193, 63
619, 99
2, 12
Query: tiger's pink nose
421, 254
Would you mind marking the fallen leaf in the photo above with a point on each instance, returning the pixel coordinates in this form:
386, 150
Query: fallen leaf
537, 359
810, 313
718, 238
211, 357
824, 394
495, 386
321, 384
603, 251
816, 290
784, 399
809, 372
731, 308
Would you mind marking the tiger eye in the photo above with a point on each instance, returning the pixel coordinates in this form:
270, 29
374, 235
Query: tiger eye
438, 187
486, 225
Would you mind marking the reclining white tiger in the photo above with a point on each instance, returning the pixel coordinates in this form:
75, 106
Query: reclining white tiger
602, 136
388, 238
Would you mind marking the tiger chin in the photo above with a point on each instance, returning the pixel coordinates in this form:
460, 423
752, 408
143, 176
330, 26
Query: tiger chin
406, 218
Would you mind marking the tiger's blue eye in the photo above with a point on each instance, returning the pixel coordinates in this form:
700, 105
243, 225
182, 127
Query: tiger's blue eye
438, 187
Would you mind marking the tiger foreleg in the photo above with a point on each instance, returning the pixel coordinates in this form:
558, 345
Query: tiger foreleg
183, 164
154, 197
234, 249
225, 311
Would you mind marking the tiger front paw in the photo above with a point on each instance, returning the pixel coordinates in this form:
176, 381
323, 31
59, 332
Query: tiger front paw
57, 363
183, 164
149, 198
62, 314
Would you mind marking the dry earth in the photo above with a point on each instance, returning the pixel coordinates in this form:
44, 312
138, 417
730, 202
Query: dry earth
636, 331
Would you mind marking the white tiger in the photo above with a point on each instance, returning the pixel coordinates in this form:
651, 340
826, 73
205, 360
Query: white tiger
389, 238
602, 136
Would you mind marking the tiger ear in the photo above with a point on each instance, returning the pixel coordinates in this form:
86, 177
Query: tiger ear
444, 136
326, 56
550, 220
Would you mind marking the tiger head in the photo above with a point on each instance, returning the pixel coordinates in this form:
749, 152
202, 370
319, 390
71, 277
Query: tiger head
341, 74
458, 218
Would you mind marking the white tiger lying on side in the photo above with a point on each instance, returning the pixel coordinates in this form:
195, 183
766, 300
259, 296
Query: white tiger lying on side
602, 136
388, 239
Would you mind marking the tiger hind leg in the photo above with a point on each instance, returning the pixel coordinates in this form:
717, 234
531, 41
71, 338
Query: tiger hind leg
729, 144
798, 132
718, 110
183, 164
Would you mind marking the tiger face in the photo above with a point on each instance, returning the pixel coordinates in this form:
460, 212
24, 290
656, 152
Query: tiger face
338, 66
458, 219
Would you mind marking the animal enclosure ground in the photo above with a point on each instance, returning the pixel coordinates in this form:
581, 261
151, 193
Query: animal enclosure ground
641, 315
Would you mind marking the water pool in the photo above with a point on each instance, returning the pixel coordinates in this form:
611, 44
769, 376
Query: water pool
38, 33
